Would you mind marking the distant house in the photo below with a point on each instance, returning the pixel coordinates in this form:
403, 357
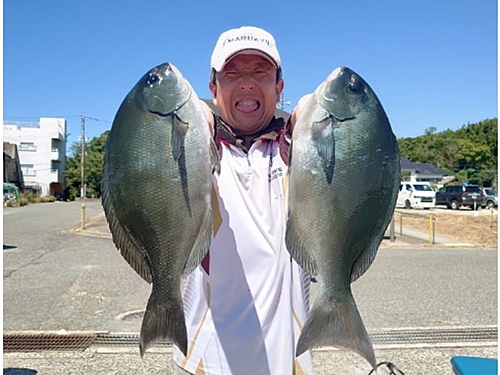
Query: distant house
41, 154
12, 172
422, 172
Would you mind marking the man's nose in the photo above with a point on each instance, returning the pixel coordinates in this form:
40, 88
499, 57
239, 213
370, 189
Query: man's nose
247, 81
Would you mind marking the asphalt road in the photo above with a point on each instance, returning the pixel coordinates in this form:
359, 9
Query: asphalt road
57, 279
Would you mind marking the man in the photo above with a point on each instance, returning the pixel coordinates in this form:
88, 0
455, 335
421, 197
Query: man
246, 303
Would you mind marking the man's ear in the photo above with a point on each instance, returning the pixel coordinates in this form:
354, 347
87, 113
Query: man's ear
213, 89
279, 88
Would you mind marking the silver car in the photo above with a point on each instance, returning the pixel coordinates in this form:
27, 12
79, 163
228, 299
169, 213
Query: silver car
490, 198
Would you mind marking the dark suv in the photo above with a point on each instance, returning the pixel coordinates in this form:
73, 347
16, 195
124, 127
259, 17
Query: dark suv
456, 196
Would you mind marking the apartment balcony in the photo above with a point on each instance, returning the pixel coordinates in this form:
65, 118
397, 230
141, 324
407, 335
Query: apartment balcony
55, 175
54, 154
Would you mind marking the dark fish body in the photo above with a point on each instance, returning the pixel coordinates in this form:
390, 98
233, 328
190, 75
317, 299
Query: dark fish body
344, 179
156, 188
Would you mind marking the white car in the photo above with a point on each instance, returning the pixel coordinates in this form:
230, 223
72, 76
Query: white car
416, 195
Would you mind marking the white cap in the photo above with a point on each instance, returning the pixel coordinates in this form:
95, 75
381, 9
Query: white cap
250, 39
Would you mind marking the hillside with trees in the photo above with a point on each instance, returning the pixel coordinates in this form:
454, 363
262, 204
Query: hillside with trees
469, 153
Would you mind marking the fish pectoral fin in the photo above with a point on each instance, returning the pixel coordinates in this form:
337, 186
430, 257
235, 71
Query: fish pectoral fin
200, 247
299, 252
179, 130
323, 138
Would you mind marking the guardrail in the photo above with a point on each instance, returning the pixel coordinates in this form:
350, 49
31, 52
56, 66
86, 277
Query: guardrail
398, 216
429, 222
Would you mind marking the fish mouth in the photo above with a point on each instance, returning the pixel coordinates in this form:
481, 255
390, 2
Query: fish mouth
247, 105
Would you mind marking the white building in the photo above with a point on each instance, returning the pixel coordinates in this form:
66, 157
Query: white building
42, 153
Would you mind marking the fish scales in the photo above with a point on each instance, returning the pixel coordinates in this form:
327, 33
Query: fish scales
156, 186
344, 179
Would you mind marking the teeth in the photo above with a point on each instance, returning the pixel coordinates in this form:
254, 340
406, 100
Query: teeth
247, 103
247, 106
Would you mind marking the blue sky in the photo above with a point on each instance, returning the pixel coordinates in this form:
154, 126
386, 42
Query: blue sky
431, 63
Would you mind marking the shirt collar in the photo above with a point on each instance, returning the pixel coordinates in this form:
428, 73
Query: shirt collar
234, 137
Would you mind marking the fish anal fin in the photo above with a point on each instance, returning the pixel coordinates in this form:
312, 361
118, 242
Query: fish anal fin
324, 141
132, 251
297, 249
366, 258
200, 247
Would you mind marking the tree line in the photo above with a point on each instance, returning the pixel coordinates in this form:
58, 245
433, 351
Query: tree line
469, 153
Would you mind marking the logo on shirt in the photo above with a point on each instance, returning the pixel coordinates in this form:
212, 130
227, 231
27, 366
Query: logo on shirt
275, 173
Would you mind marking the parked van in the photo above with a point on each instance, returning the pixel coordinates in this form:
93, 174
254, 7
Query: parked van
416, 194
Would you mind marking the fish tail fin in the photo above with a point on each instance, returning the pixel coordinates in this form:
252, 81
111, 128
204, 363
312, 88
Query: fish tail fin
338, 324
163, 321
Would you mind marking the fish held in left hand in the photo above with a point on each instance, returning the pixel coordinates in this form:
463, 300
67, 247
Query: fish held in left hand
344, 179
156, 186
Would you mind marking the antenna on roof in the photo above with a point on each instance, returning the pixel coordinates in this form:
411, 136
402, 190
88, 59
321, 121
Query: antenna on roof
282, 103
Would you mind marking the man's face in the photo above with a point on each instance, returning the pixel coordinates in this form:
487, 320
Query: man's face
246, 92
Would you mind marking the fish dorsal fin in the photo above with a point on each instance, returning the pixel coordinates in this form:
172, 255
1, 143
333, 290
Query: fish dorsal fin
131, 251
179, 130
200, 247
324, 141
297, 249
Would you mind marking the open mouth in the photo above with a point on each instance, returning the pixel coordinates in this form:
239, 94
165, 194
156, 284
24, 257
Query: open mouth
247, 106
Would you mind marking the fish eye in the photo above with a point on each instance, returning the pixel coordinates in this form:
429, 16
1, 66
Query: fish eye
153, 79
354, 86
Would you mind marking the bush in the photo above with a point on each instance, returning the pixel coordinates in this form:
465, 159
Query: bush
24, 201
47, 198
10, 202
29, 197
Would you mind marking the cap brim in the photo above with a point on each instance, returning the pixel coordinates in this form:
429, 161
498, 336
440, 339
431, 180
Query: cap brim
249, 51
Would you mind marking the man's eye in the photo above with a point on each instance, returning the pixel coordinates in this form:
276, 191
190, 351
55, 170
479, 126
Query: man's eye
262, 73
231, 75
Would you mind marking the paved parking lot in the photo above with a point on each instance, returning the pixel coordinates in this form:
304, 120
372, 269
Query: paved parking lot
56, 279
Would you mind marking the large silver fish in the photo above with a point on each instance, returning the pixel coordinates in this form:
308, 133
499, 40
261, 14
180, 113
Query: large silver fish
344, 179
156, 187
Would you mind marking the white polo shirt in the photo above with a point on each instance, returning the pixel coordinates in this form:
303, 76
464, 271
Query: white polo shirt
247, 302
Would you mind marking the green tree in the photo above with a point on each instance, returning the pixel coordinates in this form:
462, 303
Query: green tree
94, 151
470, 153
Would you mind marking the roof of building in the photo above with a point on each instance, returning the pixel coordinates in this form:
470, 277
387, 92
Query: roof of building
424, 169
429, 169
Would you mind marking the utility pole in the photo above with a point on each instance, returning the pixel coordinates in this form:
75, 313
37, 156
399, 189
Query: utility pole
83, 189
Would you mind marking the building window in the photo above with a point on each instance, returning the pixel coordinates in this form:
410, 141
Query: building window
28, 170
27, 146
